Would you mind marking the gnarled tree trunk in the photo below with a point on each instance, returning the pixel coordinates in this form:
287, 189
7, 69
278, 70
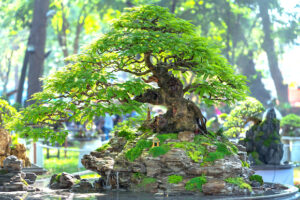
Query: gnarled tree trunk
182, 114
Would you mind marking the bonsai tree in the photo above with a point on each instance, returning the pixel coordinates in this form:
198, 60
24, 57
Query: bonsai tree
247, 111
290, 125
156, 49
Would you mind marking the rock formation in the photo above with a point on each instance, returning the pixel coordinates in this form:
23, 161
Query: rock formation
5, 142
263, 141
63, 181
19, 150
183, 163
13, 179
84, 186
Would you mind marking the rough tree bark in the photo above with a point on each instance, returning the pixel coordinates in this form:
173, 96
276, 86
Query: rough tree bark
182, 114
269, 48
22, 78
37, 42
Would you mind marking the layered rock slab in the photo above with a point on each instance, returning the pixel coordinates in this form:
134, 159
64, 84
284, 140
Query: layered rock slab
13, 179
150, 174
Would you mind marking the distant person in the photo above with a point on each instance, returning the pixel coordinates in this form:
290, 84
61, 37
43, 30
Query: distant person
117, 119
108, 125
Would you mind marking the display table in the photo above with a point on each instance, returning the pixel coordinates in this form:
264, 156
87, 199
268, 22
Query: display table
283, 174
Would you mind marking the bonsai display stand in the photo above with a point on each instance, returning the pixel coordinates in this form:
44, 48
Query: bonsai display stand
283, 174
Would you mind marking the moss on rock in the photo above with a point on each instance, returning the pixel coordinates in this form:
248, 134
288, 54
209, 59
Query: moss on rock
163, 137
256, 178
195, 184
57, 178
175, 179
136, 151
103, 148
160, 150
239, 181
146, 181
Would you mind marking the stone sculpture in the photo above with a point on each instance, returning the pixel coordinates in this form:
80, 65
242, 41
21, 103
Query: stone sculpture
263, 141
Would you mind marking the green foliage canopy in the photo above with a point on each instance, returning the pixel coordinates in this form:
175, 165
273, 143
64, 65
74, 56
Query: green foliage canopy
142, 39
290, 125
290, 120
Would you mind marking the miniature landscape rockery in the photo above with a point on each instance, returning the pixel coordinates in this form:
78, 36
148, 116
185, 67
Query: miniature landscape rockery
13, 179
182, 163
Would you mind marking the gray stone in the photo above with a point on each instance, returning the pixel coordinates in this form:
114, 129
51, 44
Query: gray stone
13, 179
62, 181
84, 186
11, 163
30, 178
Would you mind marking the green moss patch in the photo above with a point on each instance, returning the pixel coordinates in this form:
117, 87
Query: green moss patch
195, 184
135, 152
239, 181
245, 164
57, 177
137, 175
199, 139
103, 148
146, 181
174, 179
256, 178
163, 137
222, 150
126, 132
212, 156
77, 181
160, 150
197, 150
194, 151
